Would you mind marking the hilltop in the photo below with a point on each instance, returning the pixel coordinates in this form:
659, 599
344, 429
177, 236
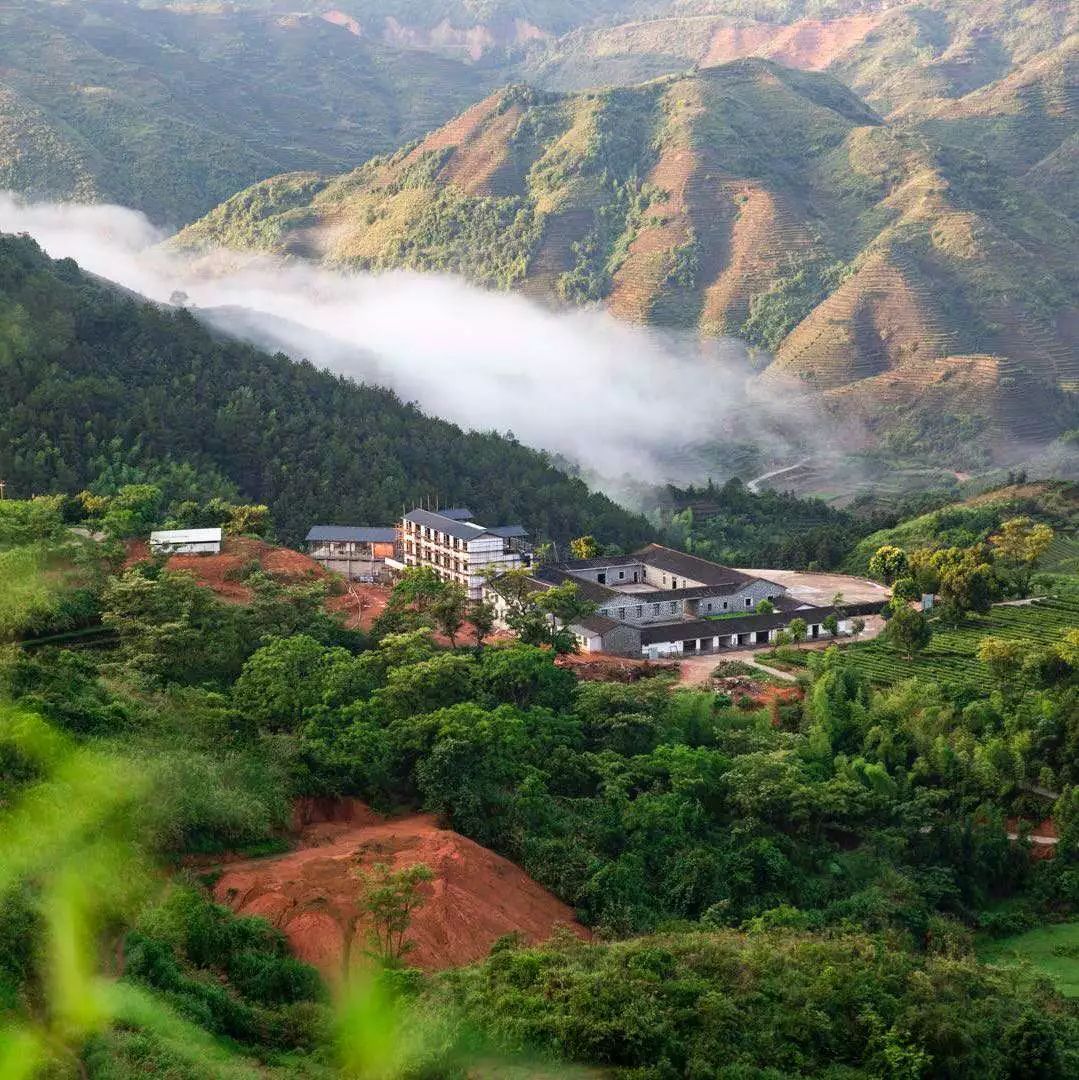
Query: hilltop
900, 275
896, 55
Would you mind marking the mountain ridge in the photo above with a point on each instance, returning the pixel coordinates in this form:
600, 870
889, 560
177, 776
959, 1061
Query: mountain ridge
96, 381
748, 199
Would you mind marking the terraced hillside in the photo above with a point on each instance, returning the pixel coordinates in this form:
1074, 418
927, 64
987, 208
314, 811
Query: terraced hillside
887, 270
895, 54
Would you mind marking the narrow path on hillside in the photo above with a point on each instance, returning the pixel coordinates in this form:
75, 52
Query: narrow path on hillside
755, 485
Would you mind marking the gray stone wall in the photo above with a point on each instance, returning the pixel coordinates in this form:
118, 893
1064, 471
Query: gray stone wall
636, 608
612, 575
623, 640
639, 609
755, 592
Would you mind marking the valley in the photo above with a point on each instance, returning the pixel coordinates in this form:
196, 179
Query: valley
539, 538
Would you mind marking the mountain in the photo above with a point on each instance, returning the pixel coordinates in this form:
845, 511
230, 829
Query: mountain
172, 108
893, 54
894, 273
93, 381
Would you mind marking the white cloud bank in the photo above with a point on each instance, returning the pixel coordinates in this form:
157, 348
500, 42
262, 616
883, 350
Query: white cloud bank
617, 399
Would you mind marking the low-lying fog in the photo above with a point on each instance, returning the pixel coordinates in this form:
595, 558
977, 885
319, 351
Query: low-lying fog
616, 399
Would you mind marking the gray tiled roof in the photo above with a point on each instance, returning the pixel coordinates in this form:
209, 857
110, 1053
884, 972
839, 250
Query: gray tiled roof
598, 624
351, 534
689, 566
510, 532
460, 530
601, 562
555, 575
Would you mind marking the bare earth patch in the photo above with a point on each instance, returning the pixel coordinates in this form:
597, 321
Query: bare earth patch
311, 893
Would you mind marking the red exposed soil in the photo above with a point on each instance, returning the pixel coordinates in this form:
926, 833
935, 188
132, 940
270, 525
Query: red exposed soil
360, 604
641, 276
346, 22
599, 667
1044, 836
220, 572
311, 894
810, 44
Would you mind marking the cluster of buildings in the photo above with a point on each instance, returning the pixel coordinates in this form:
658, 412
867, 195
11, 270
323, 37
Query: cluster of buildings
656, 602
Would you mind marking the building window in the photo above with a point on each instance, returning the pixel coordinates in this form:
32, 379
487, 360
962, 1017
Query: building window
621, 612
664, 579
601, 579
674, 605
655, 609
749, 601
621, 574
640, 611
725, 605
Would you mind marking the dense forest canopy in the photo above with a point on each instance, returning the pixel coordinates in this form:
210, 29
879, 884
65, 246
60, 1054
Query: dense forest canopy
98, 386
779, 890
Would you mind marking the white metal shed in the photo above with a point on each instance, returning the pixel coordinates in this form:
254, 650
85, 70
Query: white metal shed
186, 542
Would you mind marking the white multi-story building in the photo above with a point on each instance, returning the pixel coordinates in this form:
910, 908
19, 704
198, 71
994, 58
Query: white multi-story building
458, 549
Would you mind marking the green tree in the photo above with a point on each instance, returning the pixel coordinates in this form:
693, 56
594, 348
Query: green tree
286, 678
248, 519
584, 547
906, 588
389, 900
967, 581
133, 511
481, 614
798, 630
1004, 659
449, 609
564, 606
526, 676
1020, 544
418, 587
888, 563
766, 607
908, 631
172, 630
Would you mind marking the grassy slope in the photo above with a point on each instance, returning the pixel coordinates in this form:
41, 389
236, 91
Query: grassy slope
1050, 950
170, 111
974, 519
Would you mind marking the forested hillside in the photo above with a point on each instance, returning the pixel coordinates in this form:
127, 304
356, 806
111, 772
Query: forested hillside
171, 108
94, 382
921, 285
789, 884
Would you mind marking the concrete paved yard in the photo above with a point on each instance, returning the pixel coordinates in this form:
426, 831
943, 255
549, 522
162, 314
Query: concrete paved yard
818, 589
